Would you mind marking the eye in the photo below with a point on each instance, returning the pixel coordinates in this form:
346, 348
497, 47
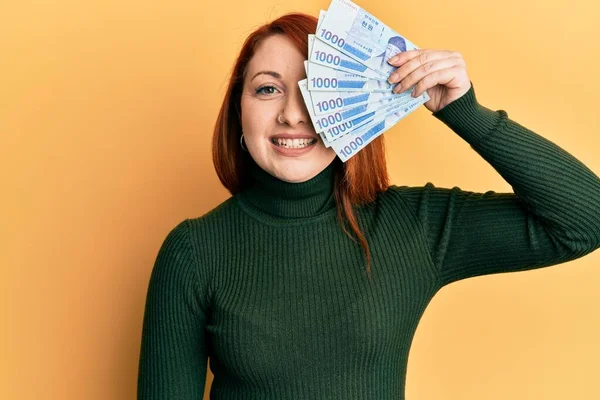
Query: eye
266, 90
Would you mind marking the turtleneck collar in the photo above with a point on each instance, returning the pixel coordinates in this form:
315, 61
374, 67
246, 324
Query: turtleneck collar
275, 199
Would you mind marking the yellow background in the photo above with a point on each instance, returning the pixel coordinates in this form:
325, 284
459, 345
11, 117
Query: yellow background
106, 116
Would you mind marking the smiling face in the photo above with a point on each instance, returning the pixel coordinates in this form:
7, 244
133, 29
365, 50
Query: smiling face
288, 149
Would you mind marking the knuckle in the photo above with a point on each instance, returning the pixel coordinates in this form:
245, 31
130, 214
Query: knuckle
427, 66
423, 57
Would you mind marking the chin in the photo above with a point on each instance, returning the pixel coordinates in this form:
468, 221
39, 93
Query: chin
294, 177
295, 169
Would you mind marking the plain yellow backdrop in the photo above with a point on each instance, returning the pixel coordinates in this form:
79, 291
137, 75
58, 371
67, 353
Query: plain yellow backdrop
106, 116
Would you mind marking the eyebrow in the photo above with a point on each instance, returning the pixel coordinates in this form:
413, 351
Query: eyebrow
272, 73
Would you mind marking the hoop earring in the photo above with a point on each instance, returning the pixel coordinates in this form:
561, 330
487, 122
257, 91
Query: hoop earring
242, 143
279, 119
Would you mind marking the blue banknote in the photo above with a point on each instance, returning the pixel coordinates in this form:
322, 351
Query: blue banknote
324, 78
322, 53
328, 102
360, 35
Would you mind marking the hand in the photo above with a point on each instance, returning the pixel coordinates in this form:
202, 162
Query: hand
443, 74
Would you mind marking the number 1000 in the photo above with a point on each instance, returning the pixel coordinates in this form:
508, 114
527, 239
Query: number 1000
352, 147
324, 82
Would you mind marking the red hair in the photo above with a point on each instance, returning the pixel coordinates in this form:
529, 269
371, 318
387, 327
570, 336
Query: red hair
357, 181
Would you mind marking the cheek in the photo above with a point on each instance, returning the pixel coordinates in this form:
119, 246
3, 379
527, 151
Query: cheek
252, 124
256, 118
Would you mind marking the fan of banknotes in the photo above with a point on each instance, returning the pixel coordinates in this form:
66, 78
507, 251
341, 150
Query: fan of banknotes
346, 91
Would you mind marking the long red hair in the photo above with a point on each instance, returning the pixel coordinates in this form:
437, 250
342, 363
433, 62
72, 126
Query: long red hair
357, 181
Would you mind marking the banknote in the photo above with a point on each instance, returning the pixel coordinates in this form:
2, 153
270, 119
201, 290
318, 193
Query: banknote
324, 78
364, 121
349, 145
346, 63
360, 35
327, 102
322, 53
327, 142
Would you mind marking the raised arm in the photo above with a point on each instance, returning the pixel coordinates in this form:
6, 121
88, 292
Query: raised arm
553, 215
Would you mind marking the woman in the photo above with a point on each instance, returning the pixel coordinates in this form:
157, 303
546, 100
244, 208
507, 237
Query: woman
309, 282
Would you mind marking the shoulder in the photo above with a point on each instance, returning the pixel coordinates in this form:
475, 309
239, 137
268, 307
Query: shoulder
197, 232
220, 213
216, 215
215, 227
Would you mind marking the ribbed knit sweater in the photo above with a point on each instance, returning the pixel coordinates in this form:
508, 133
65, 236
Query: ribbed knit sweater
271, 291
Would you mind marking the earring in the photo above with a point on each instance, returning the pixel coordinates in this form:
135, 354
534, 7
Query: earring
242, 143
279, 119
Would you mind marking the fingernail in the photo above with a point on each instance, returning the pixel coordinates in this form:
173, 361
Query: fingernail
398, 88
393, 78
393, 59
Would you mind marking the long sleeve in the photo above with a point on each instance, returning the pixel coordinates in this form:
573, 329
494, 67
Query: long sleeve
552, 217
173, 355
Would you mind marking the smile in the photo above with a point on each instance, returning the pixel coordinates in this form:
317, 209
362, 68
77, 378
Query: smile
293, 143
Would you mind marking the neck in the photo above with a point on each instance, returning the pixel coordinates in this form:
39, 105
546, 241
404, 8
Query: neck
281, 199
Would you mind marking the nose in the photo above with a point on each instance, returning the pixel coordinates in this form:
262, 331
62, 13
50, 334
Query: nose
294, 111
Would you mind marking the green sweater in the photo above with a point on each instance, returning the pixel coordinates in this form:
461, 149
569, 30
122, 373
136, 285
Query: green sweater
269, 288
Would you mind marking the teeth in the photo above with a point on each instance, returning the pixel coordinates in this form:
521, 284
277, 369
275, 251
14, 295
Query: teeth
294, 143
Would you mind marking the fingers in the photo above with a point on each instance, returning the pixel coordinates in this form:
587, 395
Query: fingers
408, 61
424, 72
414, 65
440, 77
